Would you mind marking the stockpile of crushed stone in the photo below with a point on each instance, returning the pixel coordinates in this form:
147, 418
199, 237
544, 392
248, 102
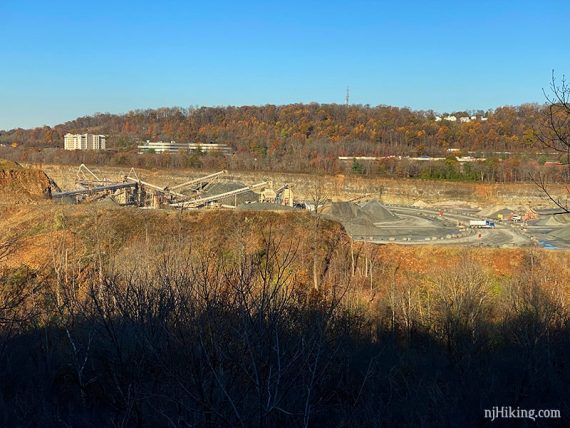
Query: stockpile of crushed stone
504, 213
346, 211
378, 213
489, 211
22, 185
359, 221
554, 220
563, 233
223, 187
360, 226
547, 221
551, 220
562, 218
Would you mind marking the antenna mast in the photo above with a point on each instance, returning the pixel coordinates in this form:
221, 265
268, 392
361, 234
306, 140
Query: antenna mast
347, 95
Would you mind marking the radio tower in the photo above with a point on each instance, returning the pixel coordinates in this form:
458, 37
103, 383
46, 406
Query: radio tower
347, 95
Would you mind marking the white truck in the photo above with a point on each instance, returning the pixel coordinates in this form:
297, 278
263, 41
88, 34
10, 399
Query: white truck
481, 224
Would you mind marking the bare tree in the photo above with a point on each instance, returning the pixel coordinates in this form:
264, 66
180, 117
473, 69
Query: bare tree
554, 133
318, 194
318, 197
462, 302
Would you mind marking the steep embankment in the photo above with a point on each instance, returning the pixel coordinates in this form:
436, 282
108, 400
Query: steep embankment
22, 185
126, 235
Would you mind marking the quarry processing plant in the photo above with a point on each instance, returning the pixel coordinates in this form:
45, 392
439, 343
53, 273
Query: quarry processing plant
209, 190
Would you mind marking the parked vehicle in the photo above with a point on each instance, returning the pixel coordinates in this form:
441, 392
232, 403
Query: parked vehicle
481, 224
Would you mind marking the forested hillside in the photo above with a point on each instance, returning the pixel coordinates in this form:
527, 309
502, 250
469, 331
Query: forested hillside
269, 129
298, 137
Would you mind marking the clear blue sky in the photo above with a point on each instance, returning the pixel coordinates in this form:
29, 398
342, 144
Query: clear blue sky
62, 59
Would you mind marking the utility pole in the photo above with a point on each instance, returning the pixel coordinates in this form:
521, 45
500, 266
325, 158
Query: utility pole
347, 95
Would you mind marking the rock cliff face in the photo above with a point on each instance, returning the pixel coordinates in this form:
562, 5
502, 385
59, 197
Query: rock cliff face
22, 185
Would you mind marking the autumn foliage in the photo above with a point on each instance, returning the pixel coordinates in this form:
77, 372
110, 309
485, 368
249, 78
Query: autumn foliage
299, 137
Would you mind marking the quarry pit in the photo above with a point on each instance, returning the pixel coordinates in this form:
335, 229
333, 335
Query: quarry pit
373, 218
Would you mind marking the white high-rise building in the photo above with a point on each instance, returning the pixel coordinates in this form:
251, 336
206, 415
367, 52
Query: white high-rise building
84, 142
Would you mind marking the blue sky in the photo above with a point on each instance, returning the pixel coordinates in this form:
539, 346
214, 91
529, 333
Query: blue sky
62, 59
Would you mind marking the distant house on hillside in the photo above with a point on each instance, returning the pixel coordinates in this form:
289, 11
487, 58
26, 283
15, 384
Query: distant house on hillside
84, 142
462, 119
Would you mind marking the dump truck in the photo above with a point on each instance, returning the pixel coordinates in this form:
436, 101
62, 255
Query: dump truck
481, 224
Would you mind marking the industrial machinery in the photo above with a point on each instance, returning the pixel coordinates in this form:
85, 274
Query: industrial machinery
194, 193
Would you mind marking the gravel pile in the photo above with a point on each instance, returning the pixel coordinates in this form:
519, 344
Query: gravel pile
359, 221
361, 226
378, 213
563, 234
562, 218
223, 187
504, 213
346, 211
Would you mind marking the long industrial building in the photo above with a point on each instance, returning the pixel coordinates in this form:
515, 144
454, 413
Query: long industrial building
84, 142
174, 147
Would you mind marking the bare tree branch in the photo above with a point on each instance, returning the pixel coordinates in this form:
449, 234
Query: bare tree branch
554, 133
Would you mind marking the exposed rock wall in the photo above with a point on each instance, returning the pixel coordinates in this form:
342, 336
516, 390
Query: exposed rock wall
22, 185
